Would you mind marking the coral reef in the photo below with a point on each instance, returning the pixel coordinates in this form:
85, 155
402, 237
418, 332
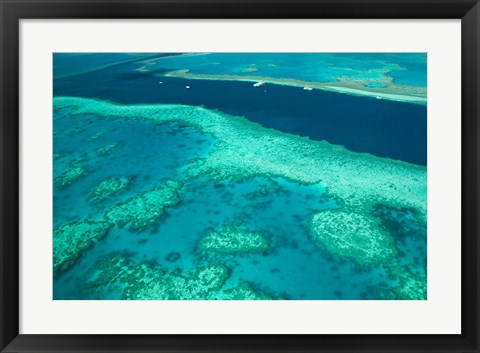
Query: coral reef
231, 239
350, 85
106, 150
245, 149
196, 286
243, 292
75, 170
73, 238
145, 209
148, 281
359, 182
109, 188
265, 191
70, 240
95, 136
353, 236
411, 286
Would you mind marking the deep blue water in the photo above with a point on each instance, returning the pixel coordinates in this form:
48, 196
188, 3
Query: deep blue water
362, 124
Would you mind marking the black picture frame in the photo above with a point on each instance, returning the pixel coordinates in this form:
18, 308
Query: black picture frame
14, 10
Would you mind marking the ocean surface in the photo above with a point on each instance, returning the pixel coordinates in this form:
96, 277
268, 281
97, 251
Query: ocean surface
384, 128
294, 266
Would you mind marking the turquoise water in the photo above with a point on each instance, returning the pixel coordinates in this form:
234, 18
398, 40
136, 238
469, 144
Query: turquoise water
406, 68
294, 266
415, 73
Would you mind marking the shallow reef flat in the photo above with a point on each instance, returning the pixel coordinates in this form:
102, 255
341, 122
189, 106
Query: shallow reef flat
410, 286
354, 86
71, 240
231, 240
106, 150
145, 209
73, 172
147, 281
108, 188
358, 182
354, 236
245, 150
391, 76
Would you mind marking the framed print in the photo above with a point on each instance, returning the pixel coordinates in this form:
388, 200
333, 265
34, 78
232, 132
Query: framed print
234, 176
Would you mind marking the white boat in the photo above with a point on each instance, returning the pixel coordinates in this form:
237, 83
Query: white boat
258, 84
378, 97
307, 88
187, 86
160, 82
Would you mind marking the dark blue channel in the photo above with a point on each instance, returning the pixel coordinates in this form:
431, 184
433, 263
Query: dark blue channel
362, 124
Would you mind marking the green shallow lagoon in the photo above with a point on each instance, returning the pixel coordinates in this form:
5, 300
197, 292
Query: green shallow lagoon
193, 172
